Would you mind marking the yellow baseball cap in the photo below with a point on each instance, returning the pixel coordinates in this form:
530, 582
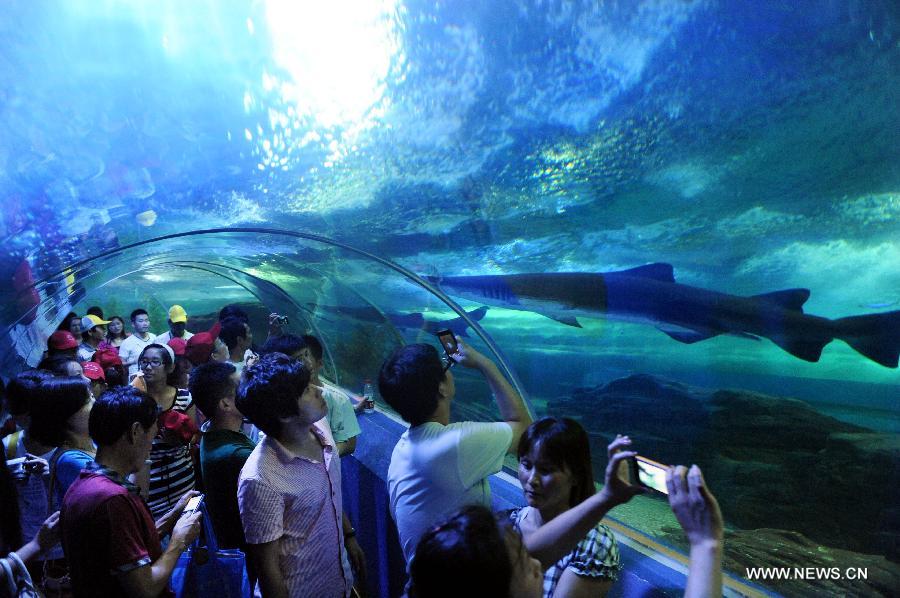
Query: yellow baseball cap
177, 314
90, 320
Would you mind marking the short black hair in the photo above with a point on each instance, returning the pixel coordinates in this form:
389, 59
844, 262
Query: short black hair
95, 310
208, 383
51, 404
467, 554
269, 391
20, 389
56, 363
116, 410
232, 329
314, 346
139, 312
233, 311
115, 376
64, 325
409, 381
288, 344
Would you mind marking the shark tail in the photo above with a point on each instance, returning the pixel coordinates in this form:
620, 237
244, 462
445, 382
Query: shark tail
877, 336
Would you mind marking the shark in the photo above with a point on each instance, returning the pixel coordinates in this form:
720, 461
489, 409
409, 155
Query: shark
410, 321
649, 294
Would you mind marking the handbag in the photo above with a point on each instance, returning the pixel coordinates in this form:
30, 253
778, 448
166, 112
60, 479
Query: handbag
18, 581
56, 580
207, 570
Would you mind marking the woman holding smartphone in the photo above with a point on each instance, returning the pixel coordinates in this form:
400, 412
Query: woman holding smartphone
555, 473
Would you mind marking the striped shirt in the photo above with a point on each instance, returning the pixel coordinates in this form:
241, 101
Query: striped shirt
282, 496
171, 468
595, 556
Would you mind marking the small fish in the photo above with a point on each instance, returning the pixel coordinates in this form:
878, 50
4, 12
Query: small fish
880, 304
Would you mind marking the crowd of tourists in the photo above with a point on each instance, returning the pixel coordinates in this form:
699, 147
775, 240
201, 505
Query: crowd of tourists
116, 435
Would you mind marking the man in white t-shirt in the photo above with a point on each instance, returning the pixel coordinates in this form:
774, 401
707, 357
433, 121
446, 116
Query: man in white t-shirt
131, 347
437, 467
177, 326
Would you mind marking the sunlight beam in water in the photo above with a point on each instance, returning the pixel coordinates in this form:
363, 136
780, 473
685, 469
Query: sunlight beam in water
334, 60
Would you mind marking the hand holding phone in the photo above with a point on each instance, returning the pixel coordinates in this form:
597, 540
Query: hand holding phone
16, 467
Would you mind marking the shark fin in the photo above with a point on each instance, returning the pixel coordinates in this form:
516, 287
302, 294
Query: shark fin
689, 337
792, 299
877, 336
567, 320
805, 349
658, 271
477, 314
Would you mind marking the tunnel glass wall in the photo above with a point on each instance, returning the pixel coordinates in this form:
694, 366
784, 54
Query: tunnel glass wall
744, 154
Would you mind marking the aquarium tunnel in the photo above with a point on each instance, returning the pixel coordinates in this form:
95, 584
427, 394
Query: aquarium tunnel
673, 219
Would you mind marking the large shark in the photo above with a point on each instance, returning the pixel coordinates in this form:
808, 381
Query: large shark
649, 294
413, 321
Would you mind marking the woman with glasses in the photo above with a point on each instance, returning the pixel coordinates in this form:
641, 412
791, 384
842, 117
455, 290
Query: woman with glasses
171, 467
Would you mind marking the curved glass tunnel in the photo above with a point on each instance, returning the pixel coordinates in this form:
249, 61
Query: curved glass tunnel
288, 158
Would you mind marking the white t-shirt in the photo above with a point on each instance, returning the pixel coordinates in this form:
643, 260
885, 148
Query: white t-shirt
130, 350
437, 469
166, 336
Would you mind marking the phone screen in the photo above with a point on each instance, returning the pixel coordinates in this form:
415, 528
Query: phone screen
193, 504
651, 474
448, 341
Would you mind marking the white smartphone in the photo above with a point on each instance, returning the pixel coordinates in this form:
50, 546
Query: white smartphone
193, 504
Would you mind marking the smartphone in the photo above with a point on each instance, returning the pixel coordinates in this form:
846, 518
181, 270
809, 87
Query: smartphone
648, 473
193, 504
448, 341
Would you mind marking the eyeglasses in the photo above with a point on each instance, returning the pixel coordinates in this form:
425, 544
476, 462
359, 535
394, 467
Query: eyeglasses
150, 363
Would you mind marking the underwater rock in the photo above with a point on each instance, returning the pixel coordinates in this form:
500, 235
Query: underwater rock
772, 462
780, 548
665, 419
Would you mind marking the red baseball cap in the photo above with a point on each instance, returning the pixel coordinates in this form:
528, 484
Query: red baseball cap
93, 370
199, 347
61, 340
178, 345
107, 357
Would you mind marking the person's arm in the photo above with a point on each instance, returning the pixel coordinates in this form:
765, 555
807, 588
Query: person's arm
571, 585
343, 417
46, 538
354, 553
701, 519
165, 523
556, 538
151, 580
347, 447
265, 558
512, 407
